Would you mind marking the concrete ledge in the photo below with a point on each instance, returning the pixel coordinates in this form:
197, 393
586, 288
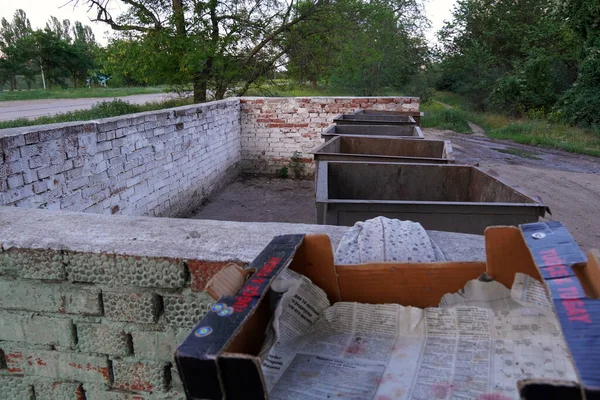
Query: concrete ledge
177, 238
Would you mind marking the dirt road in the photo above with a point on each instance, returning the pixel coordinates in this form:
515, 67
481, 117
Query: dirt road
37, 108
567, 183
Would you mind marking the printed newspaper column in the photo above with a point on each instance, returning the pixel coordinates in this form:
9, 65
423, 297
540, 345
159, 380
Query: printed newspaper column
456, 354
344, 355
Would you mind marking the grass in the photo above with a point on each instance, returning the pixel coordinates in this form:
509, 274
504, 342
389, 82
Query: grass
451, 99
438, 116
519, 153
77, 93
541, 133
554, 136
102, 109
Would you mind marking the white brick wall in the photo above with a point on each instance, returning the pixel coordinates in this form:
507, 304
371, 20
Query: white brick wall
160, 163
165, 163
274, 128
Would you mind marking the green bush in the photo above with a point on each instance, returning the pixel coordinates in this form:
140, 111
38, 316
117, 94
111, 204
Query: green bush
446, 118
581, 104
116, 107
420, 86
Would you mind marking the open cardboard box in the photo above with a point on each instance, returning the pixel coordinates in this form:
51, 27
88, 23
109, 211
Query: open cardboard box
219, 358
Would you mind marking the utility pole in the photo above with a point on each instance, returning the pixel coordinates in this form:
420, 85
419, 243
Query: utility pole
43, 79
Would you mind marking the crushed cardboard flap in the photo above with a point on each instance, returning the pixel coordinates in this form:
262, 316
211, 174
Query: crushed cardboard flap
227, 282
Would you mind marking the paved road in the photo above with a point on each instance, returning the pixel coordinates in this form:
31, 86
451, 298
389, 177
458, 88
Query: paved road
37, 108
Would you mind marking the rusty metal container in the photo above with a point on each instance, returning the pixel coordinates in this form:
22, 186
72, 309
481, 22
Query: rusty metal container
416, 115
454, 198
384, 149
374, 119
405, 131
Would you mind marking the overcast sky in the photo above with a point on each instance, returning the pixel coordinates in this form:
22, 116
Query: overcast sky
38, 12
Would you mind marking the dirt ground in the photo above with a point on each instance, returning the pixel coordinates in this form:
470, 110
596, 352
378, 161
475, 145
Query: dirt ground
260, 199
567, 183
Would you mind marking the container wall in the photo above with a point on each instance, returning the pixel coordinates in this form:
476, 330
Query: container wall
484, 188
392, 147
381, 130
405, 182
362, 118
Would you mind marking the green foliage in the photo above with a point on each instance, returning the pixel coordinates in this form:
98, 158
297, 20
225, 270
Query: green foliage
420, 86
217, 46
451, 99
555, 136
296, 165
581, 104
508, 56
103, 109
437, 116
64, 52
536, 131
379, 48
282, 173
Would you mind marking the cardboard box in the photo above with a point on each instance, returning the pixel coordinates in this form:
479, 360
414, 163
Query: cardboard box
218, 359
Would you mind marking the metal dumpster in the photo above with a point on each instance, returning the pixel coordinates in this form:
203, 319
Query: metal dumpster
374, 119
384, 149
416, 115
455, 198
405, 131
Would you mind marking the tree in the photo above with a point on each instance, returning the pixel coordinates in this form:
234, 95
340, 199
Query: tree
217, 44
514, 56
313, 45
581, 104
381, 47
62, 30
11, 55
360, 46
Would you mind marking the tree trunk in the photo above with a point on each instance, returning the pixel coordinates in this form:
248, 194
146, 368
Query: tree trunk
200, 87
178, 16
313, 84
220, 93
12, 81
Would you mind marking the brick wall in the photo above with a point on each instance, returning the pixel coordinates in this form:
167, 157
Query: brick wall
274, 128
93, 307
165, 163
95, 325
161, 163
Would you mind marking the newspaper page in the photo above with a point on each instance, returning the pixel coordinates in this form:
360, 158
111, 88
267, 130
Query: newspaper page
477, 345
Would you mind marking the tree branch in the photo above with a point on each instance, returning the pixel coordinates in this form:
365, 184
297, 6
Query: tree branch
282, 28
103, 15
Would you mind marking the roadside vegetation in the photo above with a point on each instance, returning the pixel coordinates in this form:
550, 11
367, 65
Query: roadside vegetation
447, 112
104, 109
36, 94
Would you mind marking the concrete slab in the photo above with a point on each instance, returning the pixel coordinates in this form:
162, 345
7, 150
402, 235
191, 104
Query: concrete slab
174, 237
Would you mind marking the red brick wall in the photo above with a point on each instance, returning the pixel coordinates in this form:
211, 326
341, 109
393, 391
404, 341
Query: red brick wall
274, 128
